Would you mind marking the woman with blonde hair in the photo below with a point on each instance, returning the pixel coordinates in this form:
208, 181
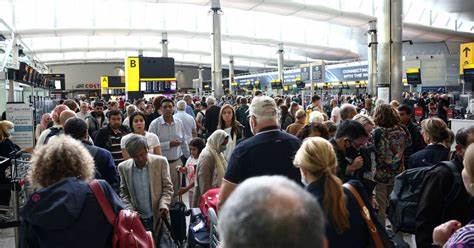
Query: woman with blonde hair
64, 206
6, 148
211, 165
437, 135
345, 227
300, 119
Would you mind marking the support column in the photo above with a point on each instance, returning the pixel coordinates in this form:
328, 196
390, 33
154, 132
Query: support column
372, 35
231, 73
216, 50
280, 62
390, 57
164, 44
200, 70
11, 83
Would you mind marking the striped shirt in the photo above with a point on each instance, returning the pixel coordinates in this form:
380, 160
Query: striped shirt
462, 238
115, 150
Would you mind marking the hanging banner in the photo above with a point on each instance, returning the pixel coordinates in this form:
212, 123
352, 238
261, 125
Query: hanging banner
357, 71
21, 115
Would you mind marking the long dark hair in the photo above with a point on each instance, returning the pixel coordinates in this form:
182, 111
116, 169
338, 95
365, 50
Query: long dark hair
133, 117
236, 127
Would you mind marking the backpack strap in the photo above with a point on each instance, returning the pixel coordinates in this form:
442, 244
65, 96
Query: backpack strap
103, 201
457, 183
364, 212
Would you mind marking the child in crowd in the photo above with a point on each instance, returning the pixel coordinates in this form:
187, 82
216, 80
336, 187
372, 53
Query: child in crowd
195, 147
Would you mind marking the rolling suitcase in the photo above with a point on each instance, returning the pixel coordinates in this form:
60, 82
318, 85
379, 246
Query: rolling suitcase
178, 220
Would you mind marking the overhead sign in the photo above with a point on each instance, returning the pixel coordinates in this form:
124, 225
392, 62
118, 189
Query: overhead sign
317, 71
58, 81
21, 115
357, 71
104, 82
466, 56
413, 76
132, 74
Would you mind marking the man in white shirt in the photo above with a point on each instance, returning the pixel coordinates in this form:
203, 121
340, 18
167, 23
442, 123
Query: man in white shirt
188, 121
84, 110
170, 132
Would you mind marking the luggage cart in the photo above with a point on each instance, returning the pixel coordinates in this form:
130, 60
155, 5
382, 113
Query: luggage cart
20, 191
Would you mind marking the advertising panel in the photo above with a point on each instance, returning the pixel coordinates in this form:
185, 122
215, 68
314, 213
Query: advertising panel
21, 115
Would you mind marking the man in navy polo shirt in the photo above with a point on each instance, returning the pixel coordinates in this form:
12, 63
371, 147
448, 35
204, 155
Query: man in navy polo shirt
270, 152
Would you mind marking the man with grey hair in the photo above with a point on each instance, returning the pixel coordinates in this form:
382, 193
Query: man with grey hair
269, 152
212, 116
145, 183
189, 107
347, 112
84, 110
271, 211
188, 121
55, 130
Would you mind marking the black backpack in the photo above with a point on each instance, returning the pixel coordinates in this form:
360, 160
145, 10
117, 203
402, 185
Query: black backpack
407, 191
53, 132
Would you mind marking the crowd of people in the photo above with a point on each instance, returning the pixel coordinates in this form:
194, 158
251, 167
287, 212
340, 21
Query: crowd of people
288, 176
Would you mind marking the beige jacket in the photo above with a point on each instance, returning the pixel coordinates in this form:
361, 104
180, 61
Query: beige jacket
161, 188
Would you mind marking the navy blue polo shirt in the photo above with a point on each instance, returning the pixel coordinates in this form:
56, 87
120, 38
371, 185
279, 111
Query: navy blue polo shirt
270, 152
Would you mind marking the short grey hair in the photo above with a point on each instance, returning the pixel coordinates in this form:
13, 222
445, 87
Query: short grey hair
211, 100
181, 105
135, 144
271, 211
364, 119
346, 109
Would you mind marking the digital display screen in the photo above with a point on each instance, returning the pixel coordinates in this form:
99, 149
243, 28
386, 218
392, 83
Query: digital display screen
155, 87
56, 81
277, 85
300, 85
414, 78
206, 86
469, 78
116, 81
156, 67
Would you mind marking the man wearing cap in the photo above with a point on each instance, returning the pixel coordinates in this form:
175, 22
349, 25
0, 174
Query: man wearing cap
269, 152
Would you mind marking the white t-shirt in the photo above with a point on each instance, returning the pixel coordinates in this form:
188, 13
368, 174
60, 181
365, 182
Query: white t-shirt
151, 139
336, 115
230, 144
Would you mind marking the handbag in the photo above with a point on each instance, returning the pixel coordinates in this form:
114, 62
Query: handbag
364, 211
128, 230
380, 238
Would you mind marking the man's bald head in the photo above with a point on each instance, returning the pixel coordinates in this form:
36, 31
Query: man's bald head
271, 211
66, 115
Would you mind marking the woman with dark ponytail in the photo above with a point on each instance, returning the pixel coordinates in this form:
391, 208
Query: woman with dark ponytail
345, 227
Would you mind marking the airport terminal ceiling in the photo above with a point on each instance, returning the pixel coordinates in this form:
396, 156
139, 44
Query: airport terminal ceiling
62, 31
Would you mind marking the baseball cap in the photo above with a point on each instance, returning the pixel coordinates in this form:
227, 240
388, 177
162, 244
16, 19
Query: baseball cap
263, 106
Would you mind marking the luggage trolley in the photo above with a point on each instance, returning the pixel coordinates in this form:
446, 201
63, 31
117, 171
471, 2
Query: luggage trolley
20, 191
